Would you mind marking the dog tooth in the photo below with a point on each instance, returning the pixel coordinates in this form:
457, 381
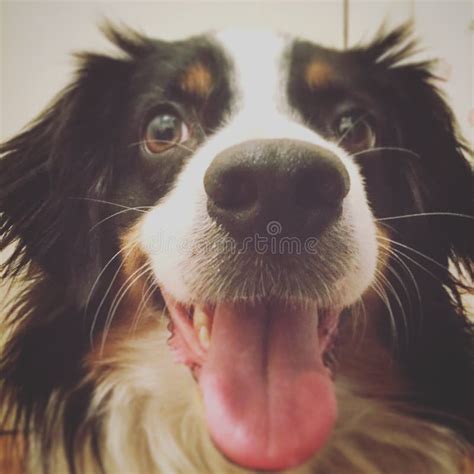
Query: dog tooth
204, 337
200, 318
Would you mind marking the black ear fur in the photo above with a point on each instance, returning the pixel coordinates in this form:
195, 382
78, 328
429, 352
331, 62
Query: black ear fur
49, 175
435, 179
441, 180
433, 133
45, 171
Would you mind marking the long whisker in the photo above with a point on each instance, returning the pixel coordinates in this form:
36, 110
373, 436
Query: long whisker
411, 249
107, 291
359, 319
397, 276
418, 264
388, 226
398, 259
386, 148
120, 295
390, 252
102, 201
140, 209
99, 276
146, 296
124, 287
406, 268
169, 142
380, 292
397, 299
426, 214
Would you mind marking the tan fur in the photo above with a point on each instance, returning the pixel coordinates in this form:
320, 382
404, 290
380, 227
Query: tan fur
468, 464
197, 80
318, 75
11, 454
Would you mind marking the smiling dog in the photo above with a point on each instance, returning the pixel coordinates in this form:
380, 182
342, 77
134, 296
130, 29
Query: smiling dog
236, 252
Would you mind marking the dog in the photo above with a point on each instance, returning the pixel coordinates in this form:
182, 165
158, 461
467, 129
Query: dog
235, 254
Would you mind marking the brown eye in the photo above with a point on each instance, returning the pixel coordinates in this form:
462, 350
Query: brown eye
355, 131
165, 131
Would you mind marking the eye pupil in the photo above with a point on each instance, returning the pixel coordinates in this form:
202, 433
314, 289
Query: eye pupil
164, 127
164, 131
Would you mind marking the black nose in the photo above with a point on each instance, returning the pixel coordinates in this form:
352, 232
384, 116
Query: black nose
297, 184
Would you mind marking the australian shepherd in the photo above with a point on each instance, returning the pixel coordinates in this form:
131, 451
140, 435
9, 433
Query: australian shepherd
235, 254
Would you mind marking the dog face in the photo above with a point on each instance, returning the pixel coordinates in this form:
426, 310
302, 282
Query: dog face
262, 167
241, 181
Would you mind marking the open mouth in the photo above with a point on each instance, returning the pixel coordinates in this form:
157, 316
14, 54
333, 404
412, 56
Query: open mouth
268, 394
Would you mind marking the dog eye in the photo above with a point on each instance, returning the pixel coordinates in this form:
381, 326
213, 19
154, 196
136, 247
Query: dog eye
164, 131
355, 131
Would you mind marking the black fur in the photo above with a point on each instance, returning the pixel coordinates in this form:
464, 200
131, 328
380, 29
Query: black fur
57, 176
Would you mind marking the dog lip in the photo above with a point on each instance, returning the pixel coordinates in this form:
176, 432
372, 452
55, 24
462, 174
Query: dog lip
183, 341
189, 339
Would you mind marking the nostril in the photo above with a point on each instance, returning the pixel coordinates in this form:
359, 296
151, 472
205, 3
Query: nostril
231, 188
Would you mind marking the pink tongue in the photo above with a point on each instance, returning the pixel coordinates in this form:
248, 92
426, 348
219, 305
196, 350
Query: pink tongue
269, 400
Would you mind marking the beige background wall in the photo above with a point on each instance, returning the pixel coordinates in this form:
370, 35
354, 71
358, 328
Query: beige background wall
38, 37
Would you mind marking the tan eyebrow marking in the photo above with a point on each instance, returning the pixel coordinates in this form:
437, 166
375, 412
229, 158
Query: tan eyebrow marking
318, 74
197, 80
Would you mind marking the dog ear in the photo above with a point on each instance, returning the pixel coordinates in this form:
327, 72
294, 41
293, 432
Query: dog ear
439, 179
51, 173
